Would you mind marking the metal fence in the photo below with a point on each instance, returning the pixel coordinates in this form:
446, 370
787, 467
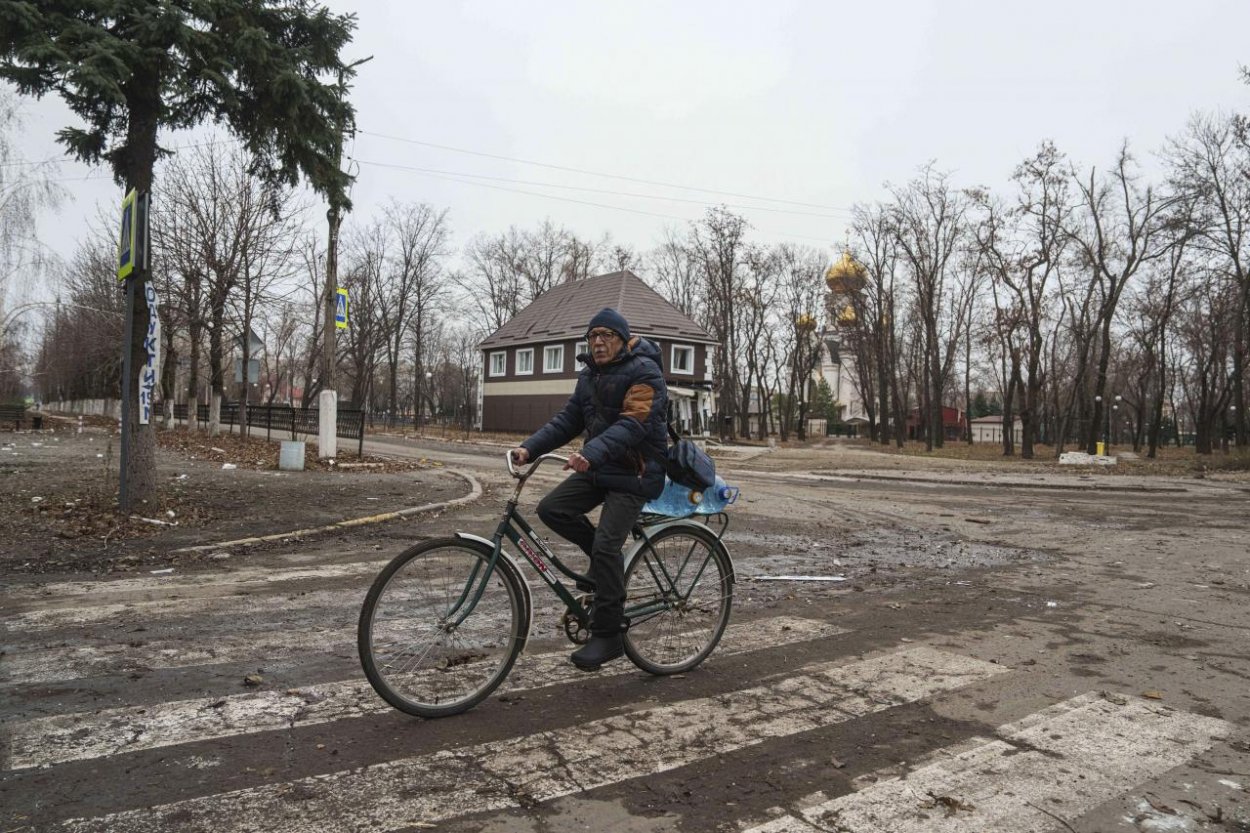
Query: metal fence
285, 420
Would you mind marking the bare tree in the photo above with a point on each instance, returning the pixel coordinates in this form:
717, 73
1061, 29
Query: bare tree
413, 286
312, 255
931, 228
271, 234
78, 357
876, 320
800, 290
581, 259
1022, 249
1209, 164
203, 202
752, 325
1117, 227
676, 274
26, 188
718, 244
368, 251
494, 283
1205, 322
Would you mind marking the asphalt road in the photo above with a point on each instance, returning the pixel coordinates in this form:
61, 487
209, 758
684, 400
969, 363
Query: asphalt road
982, 652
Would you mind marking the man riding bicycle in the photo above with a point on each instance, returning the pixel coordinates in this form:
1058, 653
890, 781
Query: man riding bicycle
620, 403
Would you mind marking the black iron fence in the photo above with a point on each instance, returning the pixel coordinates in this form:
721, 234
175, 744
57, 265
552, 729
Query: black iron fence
285, 420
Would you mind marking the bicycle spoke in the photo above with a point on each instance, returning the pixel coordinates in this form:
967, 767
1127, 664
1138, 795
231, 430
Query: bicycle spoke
415, 654
686, 575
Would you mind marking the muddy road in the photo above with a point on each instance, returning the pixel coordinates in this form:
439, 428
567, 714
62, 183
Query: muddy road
968, 650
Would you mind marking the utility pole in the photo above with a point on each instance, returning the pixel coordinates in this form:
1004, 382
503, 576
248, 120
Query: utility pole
327, 444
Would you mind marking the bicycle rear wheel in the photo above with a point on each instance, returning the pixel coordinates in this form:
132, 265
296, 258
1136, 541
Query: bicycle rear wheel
678, 594
414, 654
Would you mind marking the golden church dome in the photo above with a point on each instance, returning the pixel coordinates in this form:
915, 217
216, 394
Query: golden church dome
847, 276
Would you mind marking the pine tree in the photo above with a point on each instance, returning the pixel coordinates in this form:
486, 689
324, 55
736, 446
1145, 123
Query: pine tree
270, 71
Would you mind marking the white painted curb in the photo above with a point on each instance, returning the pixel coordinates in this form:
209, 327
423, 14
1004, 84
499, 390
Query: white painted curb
475, 492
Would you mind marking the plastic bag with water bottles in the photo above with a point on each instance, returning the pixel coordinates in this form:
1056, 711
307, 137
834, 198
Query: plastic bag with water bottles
680, 501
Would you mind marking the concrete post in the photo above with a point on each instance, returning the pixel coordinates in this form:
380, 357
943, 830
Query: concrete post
327, 424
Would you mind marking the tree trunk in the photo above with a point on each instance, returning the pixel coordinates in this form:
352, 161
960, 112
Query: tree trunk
216, 375
193, 382
144, 105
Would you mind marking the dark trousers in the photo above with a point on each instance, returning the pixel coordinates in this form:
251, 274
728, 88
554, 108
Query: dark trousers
564, 510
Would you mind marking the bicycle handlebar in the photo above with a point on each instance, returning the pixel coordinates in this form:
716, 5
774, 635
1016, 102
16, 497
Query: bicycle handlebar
533, 465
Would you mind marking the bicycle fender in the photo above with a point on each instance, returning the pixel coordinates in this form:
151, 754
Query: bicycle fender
683, 522
525, 585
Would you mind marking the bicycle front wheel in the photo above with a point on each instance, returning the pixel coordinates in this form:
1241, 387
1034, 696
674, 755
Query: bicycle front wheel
416, 654
678, 594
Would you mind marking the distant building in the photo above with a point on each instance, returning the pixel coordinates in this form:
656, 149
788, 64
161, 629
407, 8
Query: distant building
989, 429
845, 280
530, 366
954, 423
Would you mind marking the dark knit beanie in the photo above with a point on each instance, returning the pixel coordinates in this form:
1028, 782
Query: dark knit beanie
613, 320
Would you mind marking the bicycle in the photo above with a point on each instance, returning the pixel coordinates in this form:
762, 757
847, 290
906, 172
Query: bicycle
445, 620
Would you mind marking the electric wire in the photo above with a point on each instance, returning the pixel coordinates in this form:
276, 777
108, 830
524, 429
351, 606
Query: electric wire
438, 172
602, 174
599, 204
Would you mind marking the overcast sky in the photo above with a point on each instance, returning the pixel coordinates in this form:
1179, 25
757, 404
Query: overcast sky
802, 108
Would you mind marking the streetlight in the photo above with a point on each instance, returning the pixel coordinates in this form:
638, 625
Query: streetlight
1116, 409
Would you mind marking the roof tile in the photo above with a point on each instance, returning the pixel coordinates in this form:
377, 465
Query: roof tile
564, 311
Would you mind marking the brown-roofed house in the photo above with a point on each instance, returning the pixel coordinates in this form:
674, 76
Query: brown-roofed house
530, 365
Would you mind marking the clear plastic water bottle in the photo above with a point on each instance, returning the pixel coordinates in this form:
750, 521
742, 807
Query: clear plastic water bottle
679, 501
717, 498
676, 500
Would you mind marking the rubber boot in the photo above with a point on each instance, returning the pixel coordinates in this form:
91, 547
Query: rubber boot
598, 650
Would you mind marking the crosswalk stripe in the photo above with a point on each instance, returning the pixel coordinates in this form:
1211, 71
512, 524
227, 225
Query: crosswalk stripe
52, 740
518, 772
145, 611
162, 585
140, 600
250, 640
1040, 774
41, 663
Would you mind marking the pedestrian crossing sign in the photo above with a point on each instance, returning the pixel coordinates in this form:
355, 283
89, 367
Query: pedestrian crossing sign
340, 309
127, 250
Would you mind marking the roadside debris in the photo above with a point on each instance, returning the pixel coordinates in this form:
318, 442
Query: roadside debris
1080, 458
154, 521
950, 803
799, 578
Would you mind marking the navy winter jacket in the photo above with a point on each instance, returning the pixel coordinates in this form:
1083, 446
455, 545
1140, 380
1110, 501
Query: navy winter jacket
622, 408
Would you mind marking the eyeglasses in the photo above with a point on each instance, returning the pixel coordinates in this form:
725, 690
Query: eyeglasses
601, 335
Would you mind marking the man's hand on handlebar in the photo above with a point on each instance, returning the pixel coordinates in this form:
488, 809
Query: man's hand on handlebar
520, 456
577, 463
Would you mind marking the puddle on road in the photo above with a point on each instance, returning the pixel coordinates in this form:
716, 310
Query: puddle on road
856, 552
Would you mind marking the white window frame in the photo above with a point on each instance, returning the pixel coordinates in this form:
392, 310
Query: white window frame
548, 351
503, 365
689, 371
528, 351
581, 348
710, 361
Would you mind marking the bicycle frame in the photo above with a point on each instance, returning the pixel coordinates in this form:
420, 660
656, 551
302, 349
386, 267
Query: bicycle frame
516, 529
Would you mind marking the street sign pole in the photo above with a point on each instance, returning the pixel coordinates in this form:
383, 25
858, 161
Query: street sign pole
123, 497
127, 252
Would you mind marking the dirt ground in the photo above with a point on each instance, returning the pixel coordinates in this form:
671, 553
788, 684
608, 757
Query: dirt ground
238, 671
58, 495
58, 491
